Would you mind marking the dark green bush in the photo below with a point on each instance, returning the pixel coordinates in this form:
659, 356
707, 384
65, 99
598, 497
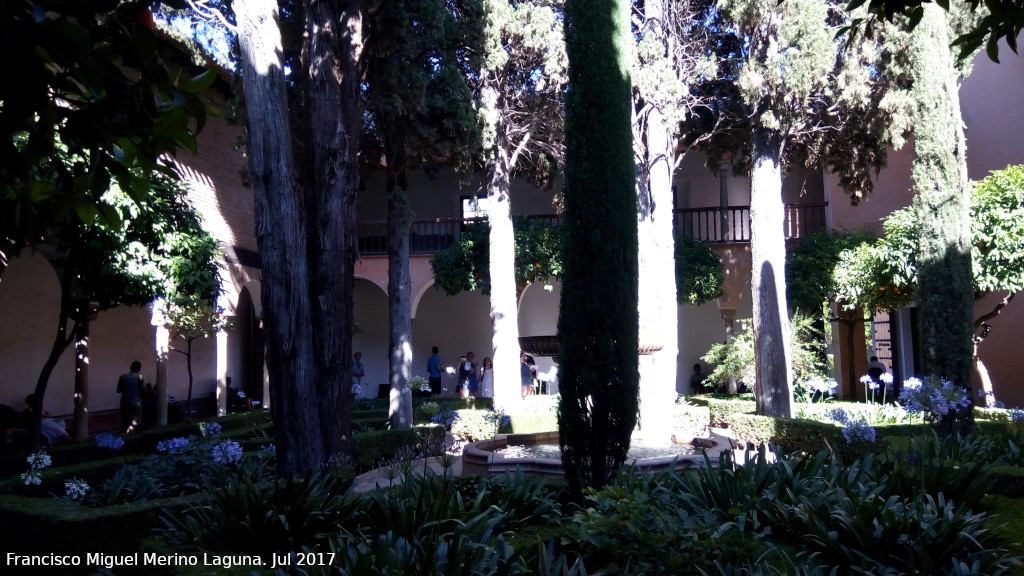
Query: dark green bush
369, 449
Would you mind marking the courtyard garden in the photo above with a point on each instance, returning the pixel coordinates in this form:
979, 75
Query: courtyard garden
844, 488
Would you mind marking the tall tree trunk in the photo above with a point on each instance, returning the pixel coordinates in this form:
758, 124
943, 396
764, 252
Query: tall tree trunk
945, 294
399, 305
504, 290
80, 421
597, 321
657, 307
504, 310
281, 236
61, 341
163, 338
331, 178
773, 387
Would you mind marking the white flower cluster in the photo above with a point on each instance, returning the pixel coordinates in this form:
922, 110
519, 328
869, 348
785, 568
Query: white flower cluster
36, 464
76, 489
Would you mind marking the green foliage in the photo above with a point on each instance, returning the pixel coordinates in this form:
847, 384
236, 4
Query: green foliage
690, 421
810, 266
95, 103
699, 272
732, 359
735, 358
997, 255
520, 85
420, 110
465, 265
371, 447
196, 319
640, 528
252, 516
885, 275
474, 425
156, 247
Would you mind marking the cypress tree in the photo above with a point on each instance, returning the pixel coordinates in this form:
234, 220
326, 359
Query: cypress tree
597, 324
945, 294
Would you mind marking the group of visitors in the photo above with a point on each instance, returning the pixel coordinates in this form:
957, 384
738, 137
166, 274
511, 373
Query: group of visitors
476, 379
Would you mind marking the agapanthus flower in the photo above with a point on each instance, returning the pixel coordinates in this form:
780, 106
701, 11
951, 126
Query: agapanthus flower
172, 446
209, 429
109, 441
822, 385
37, 462
837, 414
858, 431
227, 452
75, 488
933, 396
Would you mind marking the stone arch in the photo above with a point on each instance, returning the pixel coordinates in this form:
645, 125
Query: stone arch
246, 345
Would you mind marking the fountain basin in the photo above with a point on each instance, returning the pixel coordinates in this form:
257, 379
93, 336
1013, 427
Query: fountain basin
481, 458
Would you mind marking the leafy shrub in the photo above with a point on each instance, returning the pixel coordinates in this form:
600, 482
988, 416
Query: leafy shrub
251, 516
474, 425
370, 448
691, 421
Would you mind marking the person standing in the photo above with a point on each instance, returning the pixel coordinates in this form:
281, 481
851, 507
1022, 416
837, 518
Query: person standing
357, 373
434, 373
525, 375
130, 386
467, 376
487, 378
877, 370
696, 381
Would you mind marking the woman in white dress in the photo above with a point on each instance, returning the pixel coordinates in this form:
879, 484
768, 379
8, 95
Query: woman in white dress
487, 379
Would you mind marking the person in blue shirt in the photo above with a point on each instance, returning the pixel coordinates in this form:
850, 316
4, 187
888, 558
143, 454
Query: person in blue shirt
434, 372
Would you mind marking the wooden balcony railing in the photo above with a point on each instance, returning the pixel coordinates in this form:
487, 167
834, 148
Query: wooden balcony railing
733, 223
706, 224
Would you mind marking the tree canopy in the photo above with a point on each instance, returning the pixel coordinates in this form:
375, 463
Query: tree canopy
884, 274
91, 100
998, 19
465, 265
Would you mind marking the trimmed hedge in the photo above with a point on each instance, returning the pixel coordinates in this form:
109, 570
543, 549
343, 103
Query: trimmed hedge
721, 410
370, 448
32, 525
691, 421
792, 435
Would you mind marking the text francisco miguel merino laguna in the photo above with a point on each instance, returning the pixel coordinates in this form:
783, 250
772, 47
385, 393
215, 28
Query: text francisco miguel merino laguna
151, 559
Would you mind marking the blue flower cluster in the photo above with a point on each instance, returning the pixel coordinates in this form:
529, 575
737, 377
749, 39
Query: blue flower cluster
446, 417
497, 418
172, 446
1015, 414
854, 430
933, 396
109, 441
227, 452
267, 451
209, 429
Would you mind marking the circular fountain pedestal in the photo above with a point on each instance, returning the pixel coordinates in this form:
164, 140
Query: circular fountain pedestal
480, 457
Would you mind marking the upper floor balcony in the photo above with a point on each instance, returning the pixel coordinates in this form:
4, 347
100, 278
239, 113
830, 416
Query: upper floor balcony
714, 224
